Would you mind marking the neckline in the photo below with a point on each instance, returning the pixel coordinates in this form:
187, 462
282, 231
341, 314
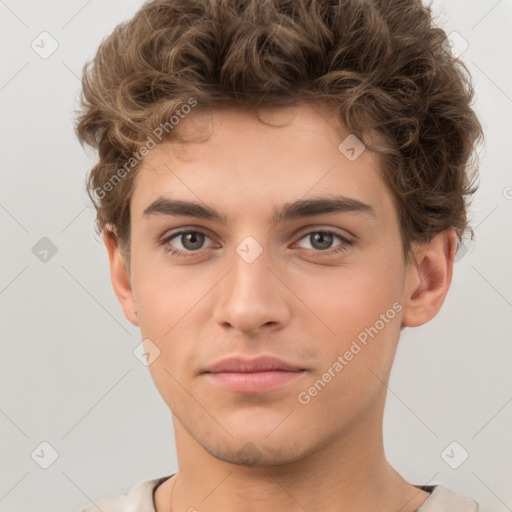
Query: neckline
427, 488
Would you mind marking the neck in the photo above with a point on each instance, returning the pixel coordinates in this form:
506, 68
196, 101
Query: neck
348, 473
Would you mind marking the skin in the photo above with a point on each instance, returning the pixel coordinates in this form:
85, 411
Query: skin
267, 451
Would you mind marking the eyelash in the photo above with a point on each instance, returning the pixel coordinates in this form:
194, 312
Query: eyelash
187, 254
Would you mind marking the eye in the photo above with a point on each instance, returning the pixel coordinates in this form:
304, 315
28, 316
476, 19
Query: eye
322, 240
187, 241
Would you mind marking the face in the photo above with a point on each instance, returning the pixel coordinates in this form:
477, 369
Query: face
275, 304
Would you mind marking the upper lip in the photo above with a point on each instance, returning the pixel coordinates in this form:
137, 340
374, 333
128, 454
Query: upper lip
250, 365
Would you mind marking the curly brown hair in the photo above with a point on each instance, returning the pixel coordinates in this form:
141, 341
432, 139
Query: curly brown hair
382, 65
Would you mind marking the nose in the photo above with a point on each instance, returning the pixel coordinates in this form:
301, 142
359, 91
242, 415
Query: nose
251, 297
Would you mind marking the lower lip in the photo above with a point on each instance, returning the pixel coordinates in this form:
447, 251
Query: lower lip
255, 382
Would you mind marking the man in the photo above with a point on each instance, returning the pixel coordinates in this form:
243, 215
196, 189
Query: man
280, 188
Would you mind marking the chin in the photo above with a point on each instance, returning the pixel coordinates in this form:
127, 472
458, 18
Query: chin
256, 453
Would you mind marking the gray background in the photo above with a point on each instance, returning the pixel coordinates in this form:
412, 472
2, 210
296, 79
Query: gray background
68, 373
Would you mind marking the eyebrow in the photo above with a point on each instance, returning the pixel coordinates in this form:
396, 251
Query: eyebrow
292, 210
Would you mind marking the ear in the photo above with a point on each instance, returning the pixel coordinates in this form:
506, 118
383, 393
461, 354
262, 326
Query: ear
428, 278
120, 278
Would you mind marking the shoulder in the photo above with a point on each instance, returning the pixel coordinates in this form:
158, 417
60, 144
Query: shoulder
138, 499
443, 499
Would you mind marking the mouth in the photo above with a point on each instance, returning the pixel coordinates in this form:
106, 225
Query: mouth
257, 375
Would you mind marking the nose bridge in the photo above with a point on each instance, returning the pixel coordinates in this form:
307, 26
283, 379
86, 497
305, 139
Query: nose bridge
250, 295
250, 269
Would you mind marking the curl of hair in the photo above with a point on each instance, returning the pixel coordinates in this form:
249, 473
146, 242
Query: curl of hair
383, 66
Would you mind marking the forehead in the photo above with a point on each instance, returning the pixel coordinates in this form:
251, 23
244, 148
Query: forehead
240, 162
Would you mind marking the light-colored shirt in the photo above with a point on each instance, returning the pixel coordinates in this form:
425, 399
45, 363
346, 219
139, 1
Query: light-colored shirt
140, 498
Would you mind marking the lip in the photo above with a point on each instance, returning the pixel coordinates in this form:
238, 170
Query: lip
253, 375
250, 365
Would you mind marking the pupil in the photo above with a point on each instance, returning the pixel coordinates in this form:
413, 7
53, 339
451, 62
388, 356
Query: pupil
324, 239
192, 240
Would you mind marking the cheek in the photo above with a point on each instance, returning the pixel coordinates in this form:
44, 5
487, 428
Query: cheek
354, 297
165, 294
170, 302
365, 317
361, 307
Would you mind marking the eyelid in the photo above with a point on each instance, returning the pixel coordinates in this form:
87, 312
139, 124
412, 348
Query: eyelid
343, 233
303, 232
170, 235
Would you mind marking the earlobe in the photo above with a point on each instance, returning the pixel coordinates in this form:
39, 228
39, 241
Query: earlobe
120, 278
428, 279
